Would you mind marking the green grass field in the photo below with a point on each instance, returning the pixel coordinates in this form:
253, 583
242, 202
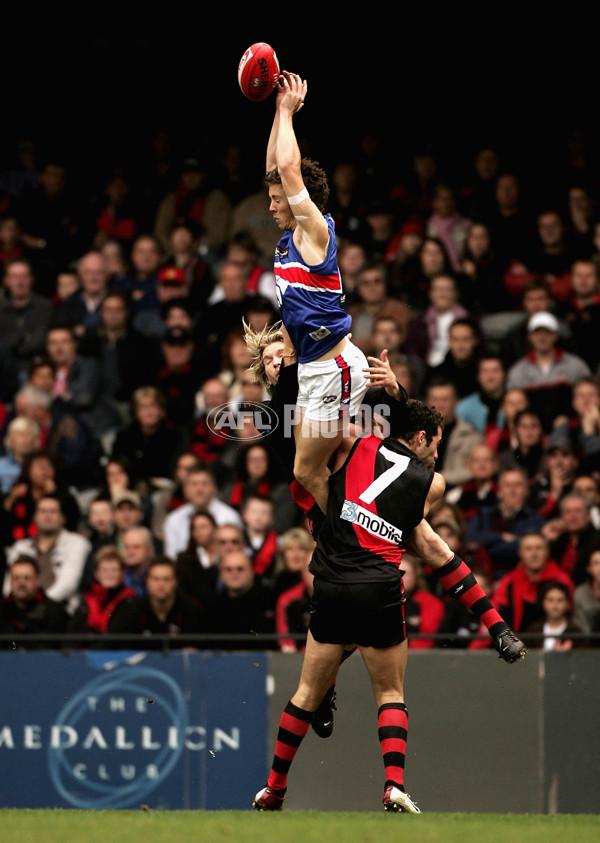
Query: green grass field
28, 826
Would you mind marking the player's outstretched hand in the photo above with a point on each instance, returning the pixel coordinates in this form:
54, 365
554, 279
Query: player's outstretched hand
291, 91
380, 373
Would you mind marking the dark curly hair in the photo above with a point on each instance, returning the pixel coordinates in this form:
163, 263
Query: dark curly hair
415, 416
315, 181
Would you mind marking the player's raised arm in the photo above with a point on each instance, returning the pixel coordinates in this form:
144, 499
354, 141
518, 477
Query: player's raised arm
312, 230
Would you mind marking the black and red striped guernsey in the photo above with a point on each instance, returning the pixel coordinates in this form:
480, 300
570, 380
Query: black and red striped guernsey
375, 500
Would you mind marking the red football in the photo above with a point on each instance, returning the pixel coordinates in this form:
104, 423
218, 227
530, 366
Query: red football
258, 71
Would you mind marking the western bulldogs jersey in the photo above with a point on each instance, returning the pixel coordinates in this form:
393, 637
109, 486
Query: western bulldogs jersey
309, 298
375, 500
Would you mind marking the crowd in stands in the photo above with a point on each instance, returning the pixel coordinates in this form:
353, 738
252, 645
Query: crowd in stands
124, 511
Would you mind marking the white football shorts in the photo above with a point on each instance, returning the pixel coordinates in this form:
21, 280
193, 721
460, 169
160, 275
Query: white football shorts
333, 389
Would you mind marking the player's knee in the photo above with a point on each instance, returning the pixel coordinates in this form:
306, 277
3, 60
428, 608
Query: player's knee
305, 473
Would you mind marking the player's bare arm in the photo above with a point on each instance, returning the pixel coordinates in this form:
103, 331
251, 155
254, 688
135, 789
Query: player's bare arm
311, 234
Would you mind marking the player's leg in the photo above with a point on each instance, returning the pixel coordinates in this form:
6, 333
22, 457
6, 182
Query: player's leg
459, 582
316, 441
319, 669
330, 392
386, 667
322, 719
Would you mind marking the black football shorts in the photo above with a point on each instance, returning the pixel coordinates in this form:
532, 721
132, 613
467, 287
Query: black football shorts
367, 614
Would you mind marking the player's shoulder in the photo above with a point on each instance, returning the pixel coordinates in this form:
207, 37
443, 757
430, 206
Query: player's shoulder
437, 488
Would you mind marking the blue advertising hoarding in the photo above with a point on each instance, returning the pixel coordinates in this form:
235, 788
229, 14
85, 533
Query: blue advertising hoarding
183, 730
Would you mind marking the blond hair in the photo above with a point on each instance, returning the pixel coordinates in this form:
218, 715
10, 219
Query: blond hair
294, 537
256, 342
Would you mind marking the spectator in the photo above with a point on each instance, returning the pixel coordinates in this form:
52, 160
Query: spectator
347, 201
517, 594
244, 606
78, 382
446, 223
513, 401
177, 378
586, 599
51, 220
25, 315
105, 597
26, 609
402, 257
184, 252
294, 553
127, 512
39, 476
352, 258
197, 565
589, 486
292, 611
81, 310
118, 214
260, 280
551, 254
581, 426
150, 441
235, 360
252, 214
555, 478
459, 438
547, 373
424, 612
118, 478
22, 438
256, 471
170, 496
481, 489
200, 491
414, 194
480, 278
230, 537
513, 342
428, 334
206, 442
115, 258
163, 610
140, 281
65, 436
381, 228
67, 283
11, 236
414, 279
42, 374
217, 320
259, 518
581, 313
499, 527
101, 531
114, 343
461, 360
179, 314
580, 216
482, 407
372, 302
577, 536
556, 624
196, 197
138, 553
171, 285
528, 451
59, 553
